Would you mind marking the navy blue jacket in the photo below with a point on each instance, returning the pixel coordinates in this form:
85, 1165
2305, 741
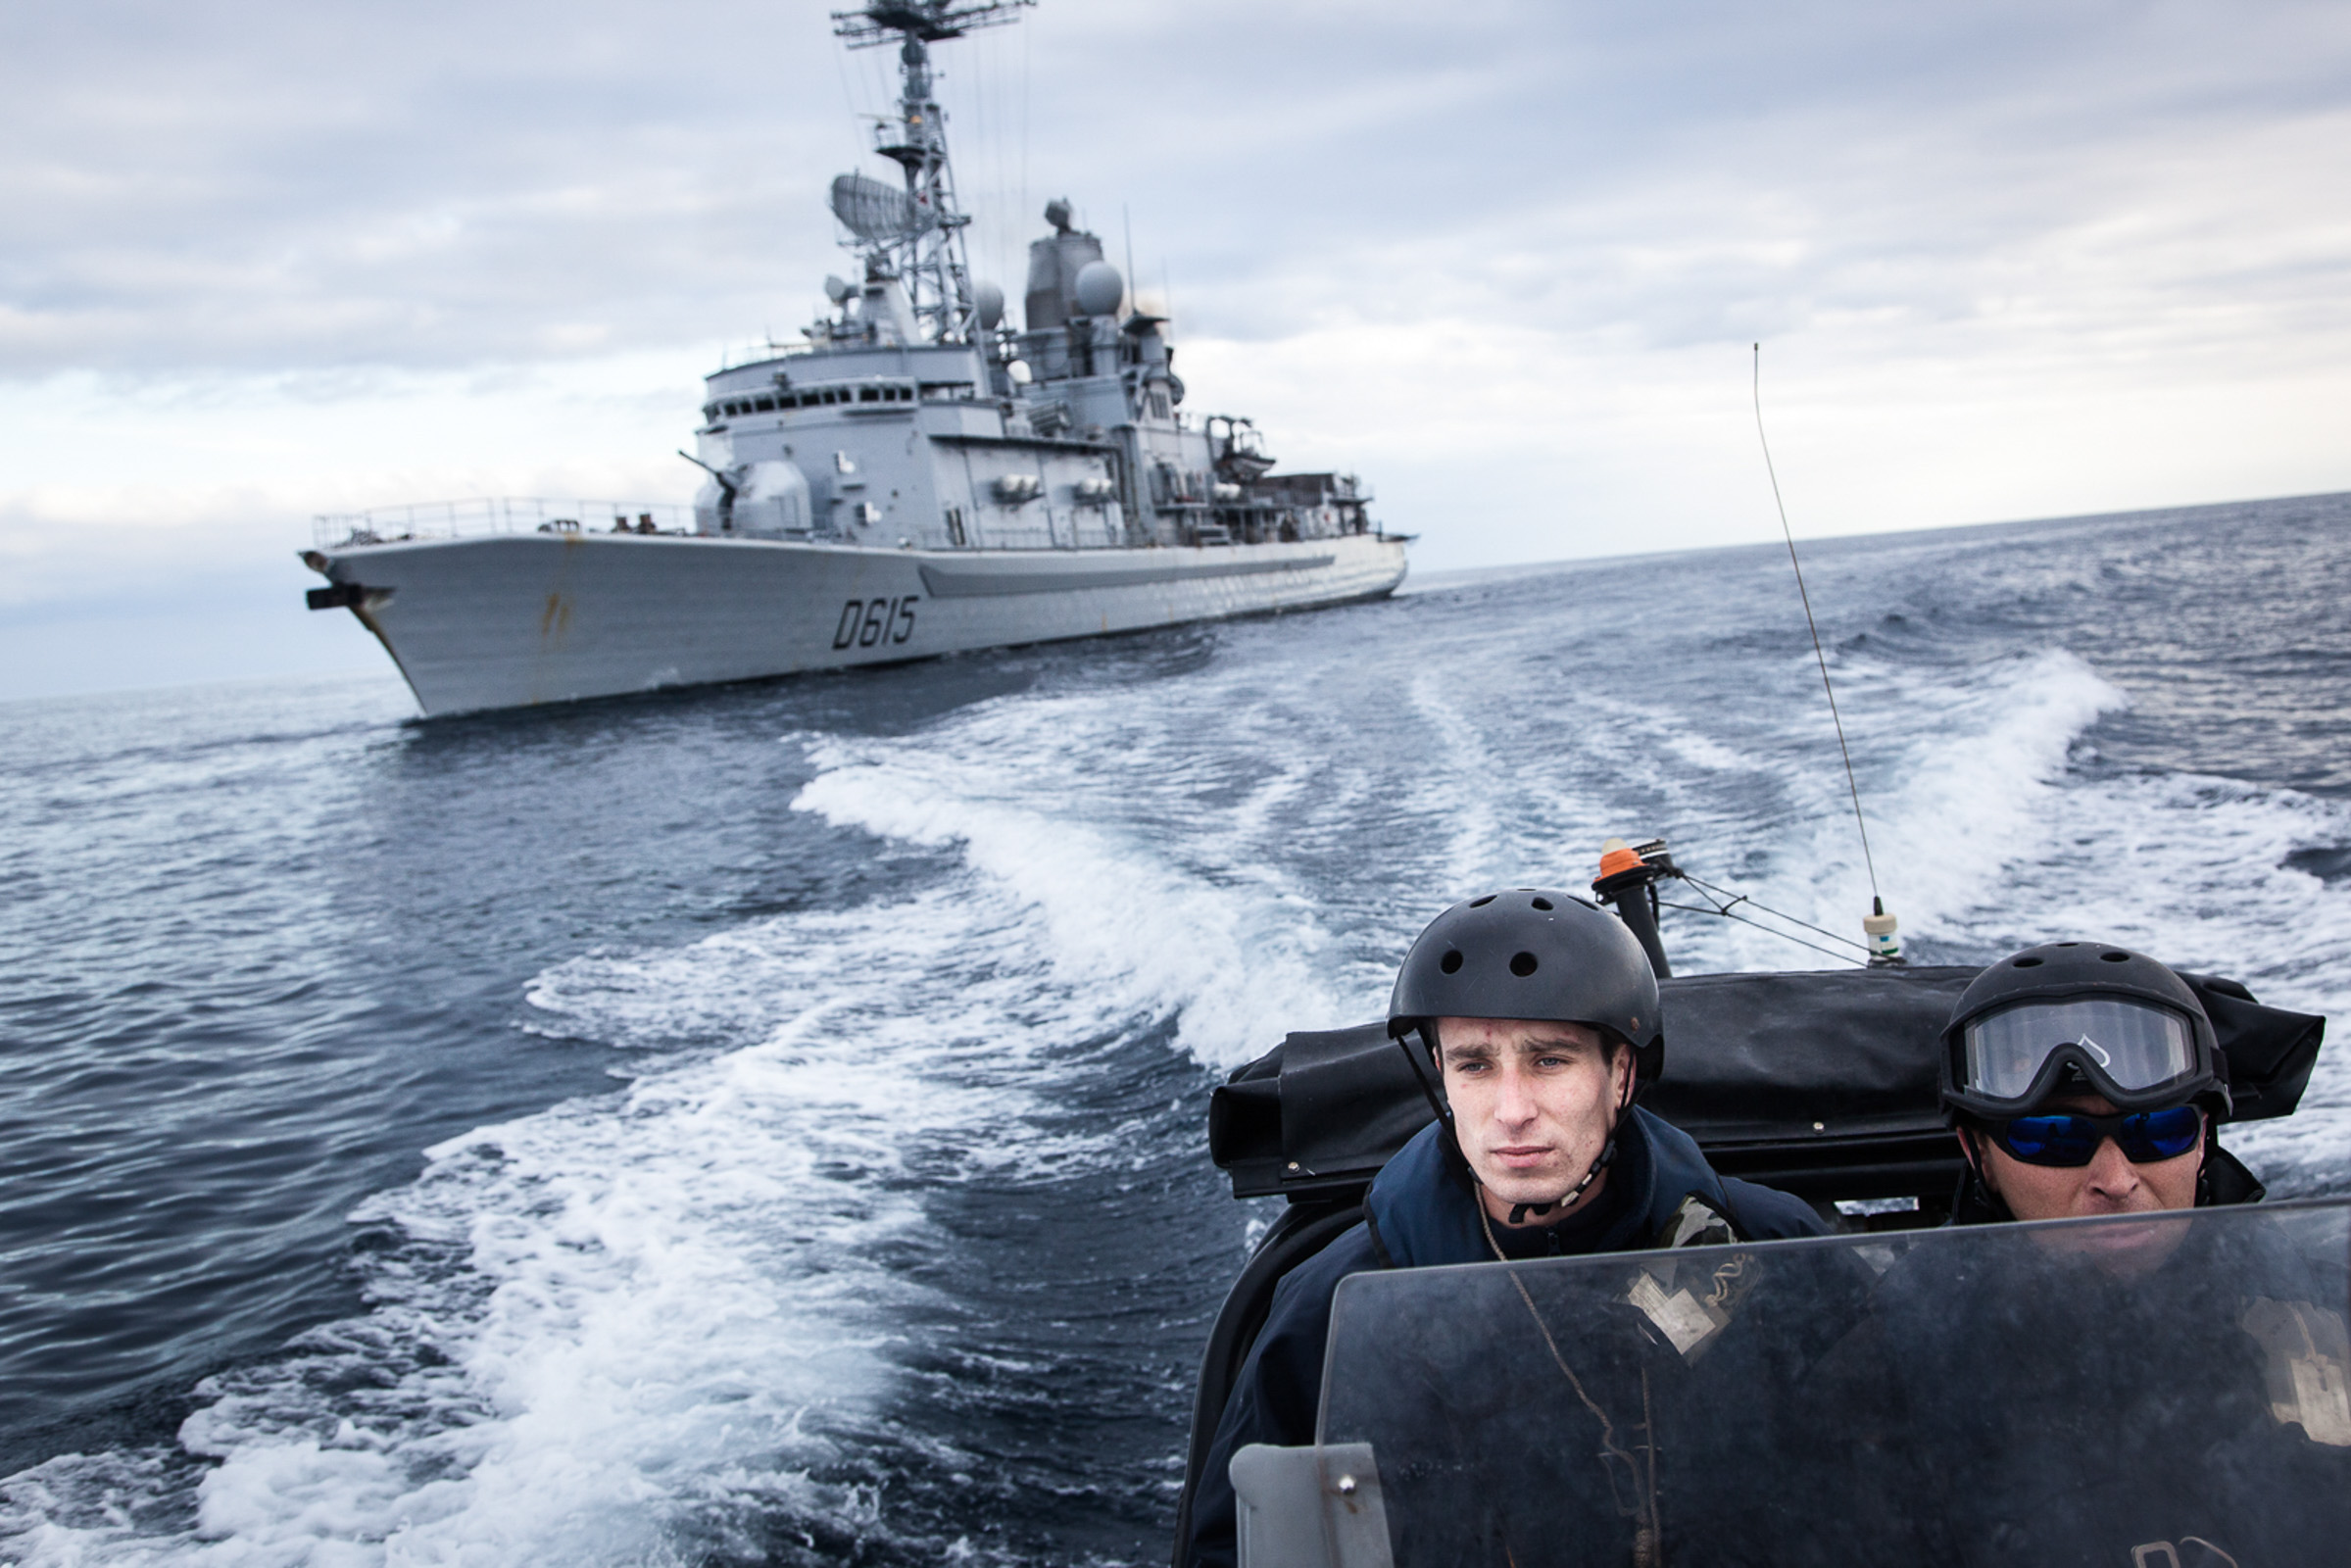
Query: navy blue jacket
1422, 1211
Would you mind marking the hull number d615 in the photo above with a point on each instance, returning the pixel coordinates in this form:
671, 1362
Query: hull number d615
868, 622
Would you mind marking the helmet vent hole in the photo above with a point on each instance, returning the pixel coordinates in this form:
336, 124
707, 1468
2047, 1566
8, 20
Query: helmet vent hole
2116, 957
1450, 963
1543, 903
1522, 964
1480, 904
2027, 963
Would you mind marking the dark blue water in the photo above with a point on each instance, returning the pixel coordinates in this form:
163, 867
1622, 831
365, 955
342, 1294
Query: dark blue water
766, 1124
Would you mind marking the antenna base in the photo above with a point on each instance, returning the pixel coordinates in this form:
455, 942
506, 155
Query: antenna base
1628, 884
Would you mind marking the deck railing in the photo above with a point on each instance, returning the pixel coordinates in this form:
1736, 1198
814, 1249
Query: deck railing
498, 514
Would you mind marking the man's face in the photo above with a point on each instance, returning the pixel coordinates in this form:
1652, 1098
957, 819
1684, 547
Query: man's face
2109, 1184
1533, 1105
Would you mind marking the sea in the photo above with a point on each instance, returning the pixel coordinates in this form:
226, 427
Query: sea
767, 1124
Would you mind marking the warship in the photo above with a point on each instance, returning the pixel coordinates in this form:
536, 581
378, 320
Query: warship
916, 477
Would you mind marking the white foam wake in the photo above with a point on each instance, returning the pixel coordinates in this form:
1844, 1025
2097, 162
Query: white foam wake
1993, 829
641, 1319
597, 1324
1195, 924
1960, 783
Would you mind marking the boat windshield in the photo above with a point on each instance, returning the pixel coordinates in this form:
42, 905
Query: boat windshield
2169, 1390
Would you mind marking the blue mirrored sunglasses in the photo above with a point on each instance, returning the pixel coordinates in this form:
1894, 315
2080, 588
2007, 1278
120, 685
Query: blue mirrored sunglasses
2143, 1136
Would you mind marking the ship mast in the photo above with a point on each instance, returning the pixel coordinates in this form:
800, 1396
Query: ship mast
920, 244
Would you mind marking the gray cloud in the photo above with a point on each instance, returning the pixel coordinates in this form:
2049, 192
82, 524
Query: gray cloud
271, 186
287, 186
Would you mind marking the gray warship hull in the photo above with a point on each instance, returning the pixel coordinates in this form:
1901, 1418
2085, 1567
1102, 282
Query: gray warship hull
511, 621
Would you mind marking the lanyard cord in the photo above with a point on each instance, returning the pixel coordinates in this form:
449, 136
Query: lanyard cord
1645, 1535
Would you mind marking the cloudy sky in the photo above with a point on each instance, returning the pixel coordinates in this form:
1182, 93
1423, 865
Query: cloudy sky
263, 260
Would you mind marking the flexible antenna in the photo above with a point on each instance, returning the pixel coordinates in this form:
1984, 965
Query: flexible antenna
1876, 902
1025, 34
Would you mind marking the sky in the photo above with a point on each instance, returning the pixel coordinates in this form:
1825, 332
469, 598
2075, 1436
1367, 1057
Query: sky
1507, 261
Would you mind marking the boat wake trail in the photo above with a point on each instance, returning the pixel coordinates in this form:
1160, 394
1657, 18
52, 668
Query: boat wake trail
1219, 958
677, 1321
2001, 824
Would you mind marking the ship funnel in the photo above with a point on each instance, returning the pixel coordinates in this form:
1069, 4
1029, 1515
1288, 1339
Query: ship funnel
1055, 264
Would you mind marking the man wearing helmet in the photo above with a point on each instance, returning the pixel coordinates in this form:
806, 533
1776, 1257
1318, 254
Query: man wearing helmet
2084, 1079
1532, 1017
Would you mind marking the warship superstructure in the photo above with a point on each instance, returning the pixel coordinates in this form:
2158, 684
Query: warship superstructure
916, 477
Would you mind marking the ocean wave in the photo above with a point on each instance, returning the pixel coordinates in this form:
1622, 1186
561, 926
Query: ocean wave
1219, 945
895, 1240
625, 1321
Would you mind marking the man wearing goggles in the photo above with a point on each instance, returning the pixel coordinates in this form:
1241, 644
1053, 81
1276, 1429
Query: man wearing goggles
2084, 1079
2150, 1392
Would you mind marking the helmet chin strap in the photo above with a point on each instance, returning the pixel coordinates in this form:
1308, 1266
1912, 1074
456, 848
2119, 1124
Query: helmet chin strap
1606, 1159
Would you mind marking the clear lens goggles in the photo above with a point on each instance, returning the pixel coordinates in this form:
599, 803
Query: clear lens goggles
2135, 1044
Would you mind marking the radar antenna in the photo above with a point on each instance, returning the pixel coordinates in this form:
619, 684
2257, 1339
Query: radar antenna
927, 20
917, 239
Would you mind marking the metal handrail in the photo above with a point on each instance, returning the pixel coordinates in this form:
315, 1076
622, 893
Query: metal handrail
489, 515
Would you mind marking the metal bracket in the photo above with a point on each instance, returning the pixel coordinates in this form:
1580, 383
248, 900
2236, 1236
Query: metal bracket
1310, 1508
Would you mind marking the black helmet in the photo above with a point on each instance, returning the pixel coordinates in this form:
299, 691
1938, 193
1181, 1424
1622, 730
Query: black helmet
2126, 1026
1533, 953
